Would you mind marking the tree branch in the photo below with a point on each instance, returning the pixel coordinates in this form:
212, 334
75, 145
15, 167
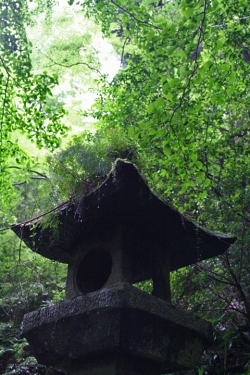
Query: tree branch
228, 302
123, 48
19, 183
227, 23
39, 174
44, 177
238, 286
70, 65
217, 192
214, 275
135, 18
25, 182
4, 105
39, 216
200, 30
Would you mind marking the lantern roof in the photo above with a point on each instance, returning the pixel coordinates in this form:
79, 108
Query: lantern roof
124, 198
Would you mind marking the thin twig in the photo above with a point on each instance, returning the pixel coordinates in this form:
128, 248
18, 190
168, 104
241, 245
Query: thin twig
25, 182
39, 174
30, 170
237, 286
37, 217
70, 65
4, 106
228, 302
135, 18
5, 67
200, 29
227, 23
201, 268
123, 48
19, 183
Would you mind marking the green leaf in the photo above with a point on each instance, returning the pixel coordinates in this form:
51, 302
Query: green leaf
199, 164
219, 43
188, 12
193, 156
213, 98
207, 182
159, 102
150, 108
169, 96
167, 150
215, 5
232, 77
224, 68
131, 131
165, 88
200, 176
174, 82
150, 35
202, 195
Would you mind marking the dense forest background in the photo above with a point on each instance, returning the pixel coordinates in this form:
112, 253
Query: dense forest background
164, 84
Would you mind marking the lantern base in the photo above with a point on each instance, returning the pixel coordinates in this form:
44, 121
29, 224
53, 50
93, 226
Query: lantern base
119, 330
116, 365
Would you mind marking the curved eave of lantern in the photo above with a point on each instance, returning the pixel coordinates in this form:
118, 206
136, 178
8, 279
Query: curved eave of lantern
125, 198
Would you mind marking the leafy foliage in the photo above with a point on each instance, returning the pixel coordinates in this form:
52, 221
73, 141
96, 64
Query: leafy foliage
187, 91
27, 282
23, 95
87, 160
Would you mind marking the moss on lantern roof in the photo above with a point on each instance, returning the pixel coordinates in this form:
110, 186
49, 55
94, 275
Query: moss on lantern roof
125, 198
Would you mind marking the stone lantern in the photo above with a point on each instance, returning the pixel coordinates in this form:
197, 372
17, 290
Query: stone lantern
119, 235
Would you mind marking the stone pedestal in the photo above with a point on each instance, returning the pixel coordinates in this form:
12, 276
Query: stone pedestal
118, 330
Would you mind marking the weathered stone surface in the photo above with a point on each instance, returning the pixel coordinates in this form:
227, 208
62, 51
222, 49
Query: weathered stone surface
118, 365
102, 262
120, 323
125, 199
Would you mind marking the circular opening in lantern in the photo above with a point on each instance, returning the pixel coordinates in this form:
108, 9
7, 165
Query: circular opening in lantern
93, 270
